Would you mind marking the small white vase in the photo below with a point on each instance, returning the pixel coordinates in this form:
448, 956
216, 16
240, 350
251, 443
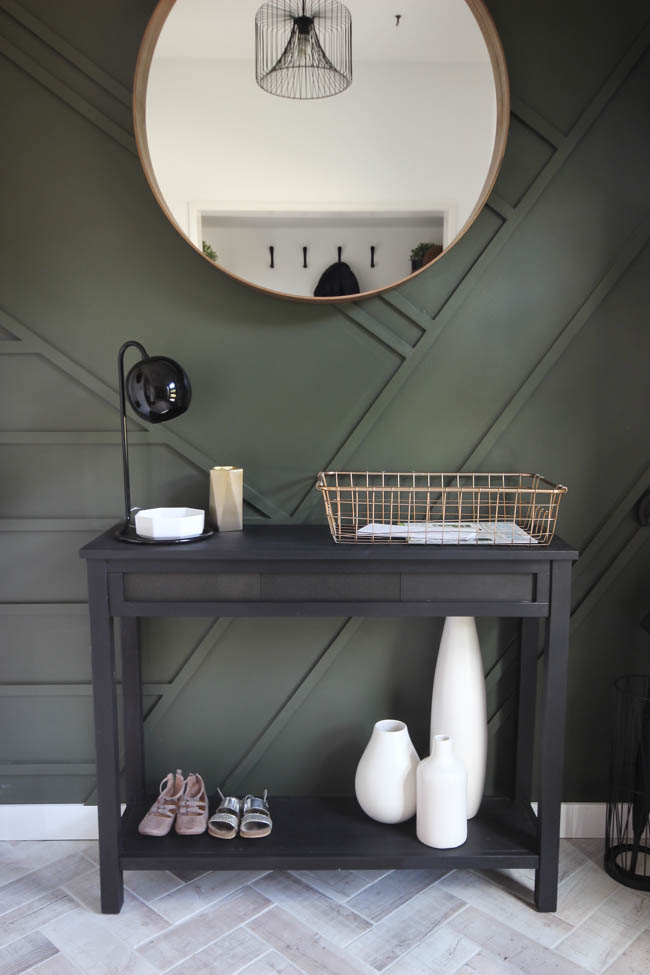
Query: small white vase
227, 498
441, 797
458, 706
385, 779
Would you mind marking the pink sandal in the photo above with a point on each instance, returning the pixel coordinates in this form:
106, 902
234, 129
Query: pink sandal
160, 818
192, 816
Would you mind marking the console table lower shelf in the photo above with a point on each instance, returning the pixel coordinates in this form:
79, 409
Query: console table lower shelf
328, 833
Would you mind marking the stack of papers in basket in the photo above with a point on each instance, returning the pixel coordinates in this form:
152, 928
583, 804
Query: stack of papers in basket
465, 533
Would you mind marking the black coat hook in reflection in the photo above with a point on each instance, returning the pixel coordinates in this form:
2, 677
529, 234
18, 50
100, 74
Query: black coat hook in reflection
340, 250
304, 257
372, 255
271, 252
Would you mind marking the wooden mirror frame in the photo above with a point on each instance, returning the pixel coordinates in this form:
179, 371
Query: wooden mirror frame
500, 74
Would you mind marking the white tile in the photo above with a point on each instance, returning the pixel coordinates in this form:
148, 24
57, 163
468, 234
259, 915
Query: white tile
582, 892
39, 882
20, 858
56, 965
483, 963
195, 896
441, 953
406, 927
393, 890
481, 893
227, 955
309, 951
608, 931
88, 944
148, 885
271, 964
509, 946
188, 937
34, 914
334, 921
635, 960
135, 923
338, 884
593, 849
25, 953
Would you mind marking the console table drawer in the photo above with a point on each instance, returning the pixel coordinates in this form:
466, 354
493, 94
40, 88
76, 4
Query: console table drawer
506, 587
327, 587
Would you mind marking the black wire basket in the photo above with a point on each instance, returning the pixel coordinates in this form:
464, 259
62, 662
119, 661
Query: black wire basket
627, 840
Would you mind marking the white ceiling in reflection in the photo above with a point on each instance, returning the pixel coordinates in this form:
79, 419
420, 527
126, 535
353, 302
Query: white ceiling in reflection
429, 30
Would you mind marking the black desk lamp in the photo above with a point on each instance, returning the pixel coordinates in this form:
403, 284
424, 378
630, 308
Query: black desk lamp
158, 389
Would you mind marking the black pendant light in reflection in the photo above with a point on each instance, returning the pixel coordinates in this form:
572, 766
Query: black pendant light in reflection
303, 48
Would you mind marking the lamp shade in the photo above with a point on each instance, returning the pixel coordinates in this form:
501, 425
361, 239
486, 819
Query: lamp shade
303, 48
158, 389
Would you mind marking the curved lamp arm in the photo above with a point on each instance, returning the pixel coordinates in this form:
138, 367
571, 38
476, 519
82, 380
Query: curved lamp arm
125, 447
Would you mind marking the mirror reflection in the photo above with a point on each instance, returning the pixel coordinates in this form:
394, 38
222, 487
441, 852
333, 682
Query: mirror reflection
318, 147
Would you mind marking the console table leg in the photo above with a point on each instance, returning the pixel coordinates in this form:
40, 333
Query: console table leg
552, 737
106, 740
133, 716
526, 708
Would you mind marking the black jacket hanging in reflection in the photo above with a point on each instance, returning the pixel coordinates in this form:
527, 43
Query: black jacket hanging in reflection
337, 280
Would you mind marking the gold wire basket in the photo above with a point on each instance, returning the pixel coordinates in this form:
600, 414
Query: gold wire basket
443, 509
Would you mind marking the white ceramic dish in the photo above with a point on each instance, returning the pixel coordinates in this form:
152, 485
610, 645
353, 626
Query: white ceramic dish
169, 523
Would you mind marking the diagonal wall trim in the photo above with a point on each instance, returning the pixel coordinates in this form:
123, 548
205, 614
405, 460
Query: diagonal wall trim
187, 671
382, 332
626, 255
619, 511
533, 120
171, 691
67, 95
236, 775
66, 51
499, 206
489, 254
396, 300
104, 392
595, 594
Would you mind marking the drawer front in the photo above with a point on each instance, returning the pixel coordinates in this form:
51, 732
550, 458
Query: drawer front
505, 587
357, 593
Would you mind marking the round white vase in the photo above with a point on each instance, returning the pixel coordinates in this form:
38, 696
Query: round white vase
458, 706
385, 780
442, 797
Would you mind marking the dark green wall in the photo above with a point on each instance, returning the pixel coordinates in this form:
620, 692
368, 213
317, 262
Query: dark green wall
526, 347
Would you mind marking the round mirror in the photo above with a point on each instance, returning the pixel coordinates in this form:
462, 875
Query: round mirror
320, 149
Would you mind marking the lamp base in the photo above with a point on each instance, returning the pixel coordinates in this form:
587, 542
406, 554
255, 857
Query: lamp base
127, 533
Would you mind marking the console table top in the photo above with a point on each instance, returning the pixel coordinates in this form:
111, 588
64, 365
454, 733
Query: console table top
313, 543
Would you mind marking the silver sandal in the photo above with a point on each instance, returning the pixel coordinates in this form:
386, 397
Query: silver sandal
256, 819
224, 823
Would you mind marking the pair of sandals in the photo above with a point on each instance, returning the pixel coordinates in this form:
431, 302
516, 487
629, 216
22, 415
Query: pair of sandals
249, 817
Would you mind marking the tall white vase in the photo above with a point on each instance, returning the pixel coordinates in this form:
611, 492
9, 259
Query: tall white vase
442, 797
458, 707
385, 779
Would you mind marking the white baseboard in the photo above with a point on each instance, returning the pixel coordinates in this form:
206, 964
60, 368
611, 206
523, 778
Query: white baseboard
581, 820
48, 821
78, 822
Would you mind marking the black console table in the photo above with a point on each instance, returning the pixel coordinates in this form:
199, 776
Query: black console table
299, 571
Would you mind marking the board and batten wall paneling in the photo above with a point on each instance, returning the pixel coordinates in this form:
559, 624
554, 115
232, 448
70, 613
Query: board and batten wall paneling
525, 348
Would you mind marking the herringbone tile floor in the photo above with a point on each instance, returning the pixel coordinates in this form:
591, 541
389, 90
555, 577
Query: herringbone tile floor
415, 922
